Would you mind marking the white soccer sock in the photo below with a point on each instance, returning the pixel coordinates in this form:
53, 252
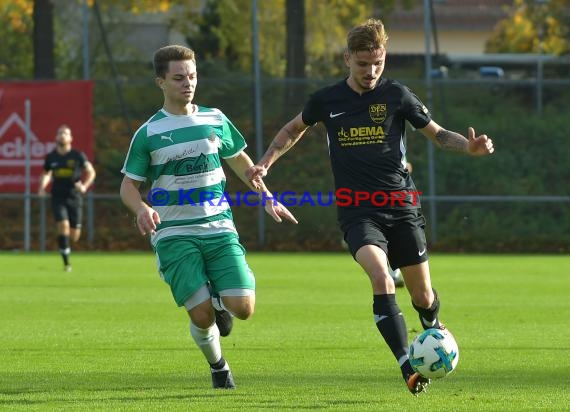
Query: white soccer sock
208, 340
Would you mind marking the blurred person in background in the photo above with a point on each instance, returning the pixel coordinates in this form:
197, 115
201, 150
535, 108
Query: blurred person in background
71, 175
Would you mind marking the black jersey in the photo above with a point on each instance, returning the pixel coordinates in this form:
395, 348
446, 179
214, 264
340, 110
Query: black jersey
66, 170
366, 135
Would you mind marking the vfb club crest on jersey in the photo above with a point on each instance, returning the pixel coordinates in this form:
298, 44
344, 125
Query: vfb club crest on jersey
377, 112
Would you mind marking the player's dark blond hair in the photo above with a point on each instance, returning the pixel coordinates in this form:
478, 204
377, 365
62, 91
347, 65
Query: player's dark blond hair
368, 36
166, 54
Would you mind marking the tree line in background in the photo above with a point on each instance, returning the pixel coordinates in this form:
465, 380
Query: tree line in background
297, 36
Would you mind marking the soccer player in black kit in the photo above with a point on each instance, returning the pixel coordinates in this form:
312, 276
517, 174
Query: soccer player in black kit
365, 117
64, 167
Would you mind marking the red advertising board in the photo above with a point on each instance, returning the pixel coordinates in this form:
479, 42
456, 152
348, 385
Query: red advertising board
52, 103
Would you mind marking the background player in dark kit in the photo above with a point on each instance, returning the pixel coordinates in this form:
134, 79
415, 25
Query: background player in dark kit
65, 167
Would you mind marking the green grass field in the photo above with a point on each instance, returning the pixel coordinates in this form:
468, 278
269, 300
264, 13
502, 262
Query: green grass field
108, 337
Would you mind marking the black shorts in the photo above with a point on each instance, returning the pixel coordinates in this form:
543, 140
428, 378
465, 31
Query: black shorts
399, 233
68, 208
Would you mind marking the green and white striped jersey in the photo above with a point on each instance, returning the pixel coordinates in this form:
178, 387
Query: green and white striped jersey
181, 155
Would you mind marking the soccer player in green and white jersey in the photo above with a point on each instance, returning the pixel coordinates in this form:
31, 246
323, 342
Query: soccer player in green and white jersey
188, 215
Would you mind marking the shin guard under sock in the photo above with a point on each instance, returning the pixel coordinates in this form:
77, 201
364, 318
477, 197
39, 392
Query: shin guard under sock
391, 324
428, 317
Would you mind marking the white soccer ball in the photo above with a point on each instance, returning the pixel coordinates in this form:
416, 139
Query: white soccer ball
434, 353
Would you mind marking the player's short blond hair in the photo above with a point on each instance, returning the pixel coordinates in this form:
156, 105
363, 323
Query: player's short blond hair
367, 36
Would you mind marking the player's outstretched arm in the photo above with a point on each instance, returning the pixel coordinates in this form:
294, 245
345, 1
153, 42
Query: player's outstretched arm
479, 145
277, 211
284, 140
240, 164
446, 139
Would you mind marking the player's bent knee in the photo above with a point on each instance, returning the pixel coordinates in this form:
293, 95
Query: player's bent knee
202, 319
240, 302
202, 313
244, 310
242, 307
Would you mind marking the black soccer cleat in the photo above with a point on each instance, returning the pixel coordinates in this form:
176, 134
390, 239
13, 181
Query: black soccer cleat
223, 379
225, 321
417, 383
